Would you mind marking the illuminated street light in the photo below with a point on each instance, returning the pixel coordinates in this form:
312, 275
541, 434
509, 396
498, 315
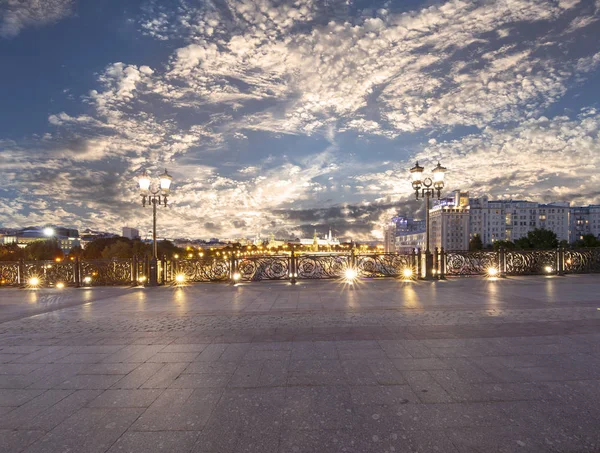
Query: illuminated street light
426, 188
180, 278
407, 273
155, 196
492, 272
548, 269
48, 231
350, 274
60, 285
34, 281
87, 279
236, 276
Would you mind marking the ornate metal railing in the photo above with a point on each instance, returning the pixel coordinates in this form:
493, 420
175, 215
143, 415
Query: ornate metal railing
322, 266
530, 262
9, 273
264, 268
582, 261
385, 264
203, 270
470, 263
106, 272
294, 267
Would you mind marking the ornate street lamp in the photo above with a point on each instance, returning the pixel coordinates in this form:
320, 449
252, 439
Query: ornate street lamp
425, 188
155, 197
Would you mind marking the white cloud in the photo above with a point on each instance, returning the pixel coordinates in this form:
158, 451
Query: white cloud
15, 15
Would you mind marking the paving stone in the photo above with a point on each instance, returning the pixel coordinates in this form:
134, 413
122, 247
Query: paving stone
179, 410
88, 430
17, 397
165, 376
155, 442
15, 441
139, 376
126, 398
59, 412
21, 415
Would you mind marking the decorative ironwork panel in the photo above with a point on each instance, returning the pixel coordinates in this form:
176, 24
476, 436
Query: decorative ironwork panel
50, 272
384, 264
530, 262
106, 272
581, 261
322, 266
264, 268
204, 270
470, 263
9, 273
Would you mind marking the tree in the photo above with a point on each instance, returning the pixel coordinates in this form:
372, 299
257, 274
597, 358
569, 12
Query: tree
75, 252
588, 240
94, 249
43, 250
539, 238
120, 249
11, 252
475, 243
507, 245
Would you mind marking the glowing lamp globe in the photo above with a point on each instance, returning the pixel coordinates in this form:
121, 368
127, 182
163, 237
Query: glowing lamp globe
416, 173
165, 182
144, 182
439, 173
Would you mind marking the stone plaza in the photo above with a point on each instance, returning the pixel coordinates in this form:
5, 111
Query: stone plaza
463, 365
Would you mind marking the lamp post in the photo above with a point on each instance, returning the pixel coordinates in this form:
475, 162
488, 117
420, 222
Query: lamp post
425, 188
155, 197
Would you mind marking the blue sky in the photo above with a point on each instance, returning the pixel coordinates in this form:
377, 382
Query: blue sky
285, 116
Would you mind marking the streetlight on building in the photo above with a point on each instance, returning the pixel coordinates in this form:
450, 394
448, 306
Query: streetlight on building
425, 188
156, 196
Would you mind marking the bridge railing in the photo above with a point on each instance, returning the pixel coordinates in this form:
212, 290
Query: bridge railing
300, 266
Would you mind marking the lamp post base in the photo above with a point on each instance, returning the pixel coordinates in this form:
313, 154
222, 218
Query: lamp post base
153, 272
428, 257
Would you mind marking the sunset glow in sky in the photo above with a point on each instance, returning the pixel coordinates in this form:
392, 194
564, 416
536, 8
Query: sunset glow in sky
283, 116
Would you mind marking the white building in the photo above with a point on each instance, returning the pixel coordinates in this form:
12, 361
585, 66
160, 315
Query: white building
131, 233
408, 243
584, 220
389, 238
450, 223
509, 220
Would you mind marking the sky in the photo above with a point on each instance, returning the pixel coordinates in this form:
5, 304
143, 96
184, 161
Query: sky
285, 116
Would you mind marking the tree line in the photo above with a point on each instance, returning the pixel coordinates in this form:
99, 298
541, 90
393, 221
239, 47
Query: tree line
537, 239
117, 247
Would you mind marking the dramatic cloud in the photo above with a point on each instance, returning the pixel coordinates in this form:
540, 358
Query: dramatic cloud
16, 15
283, 116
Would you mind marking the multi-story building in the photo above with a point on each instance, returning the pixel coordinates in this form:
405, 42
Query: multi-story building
584, 220
408, 243
449, 221
389, 238
509, 220
67, 238
408, 225
131, 233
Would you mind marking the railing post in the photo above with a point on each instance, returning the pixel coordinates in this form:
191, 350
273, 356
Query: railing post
22, 273
147, 269
163, 264
435, 269
352, 258
232, 271
442, 264
76, 272
419, 264
293, 267
502, 262
560, 261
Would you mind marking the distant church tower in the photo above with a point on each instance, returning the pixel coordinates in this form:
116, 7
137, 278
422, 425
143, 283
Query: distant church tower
315, 245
